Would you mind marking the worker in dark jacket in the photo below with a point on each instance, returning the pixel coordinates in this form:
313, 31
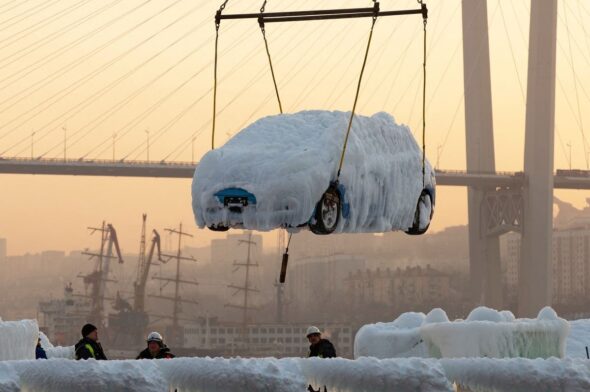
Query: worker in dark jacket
40, 351
319, 347
156, 349
89, 347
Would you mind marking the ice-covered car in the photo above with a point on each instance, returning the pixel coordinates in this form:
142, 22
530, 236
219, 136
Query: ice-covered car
281, 171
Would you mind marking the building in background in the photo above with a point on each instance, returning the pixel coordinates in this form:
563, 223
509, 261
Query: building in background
263, 340
417, 287
570, 264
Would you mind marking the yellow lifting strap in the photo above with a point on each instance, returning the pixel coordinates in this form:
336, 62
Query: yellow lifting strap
272, 71
358, 88
217, 24
425, 21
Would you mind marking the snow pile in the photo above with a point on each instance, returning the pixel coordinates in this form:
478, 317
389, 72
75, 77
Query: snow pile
288, 161
18, 339
52, 351
488, 333
9, 380
400, 338
485, 333
578, 339
373, 375
519, 374
236, 374
61, 375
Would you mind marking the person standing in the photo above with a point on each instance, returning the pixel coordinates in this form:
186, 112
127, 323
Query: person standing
321, 348
89, 347
40, 351
156, 349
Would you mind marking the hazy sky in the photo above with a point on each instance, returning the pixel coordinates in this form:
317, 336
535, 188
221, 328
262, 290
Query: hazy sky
90, 69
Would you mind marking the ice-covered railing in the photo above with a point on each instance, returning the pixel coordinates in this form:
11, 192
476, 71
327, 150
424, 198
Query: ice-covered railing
18, 339
518, 374
485, 333
52, 351
224, 375
294, 375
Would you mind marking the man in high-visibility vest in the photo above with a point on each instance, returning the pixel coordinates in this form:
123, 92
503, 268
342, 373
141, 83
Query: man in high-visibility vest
89, 347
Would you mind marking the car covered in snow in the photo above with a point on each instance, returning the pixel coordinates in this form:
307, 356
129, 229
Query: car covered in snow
281, 172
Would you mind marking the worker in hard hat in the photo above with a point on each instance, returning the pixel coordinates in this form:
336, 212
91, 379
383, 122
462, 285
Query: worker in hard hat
321, 348
156, 349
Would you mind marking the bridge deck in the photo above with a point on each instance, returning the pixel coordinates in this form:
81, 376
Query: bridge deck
564, 179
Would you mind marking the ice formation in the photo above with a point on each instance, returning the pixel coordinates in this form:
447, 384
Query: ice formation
400, 338
519, 374
288, 161
63, 375
485, 333
224, 375
236, 374
372, 375
18, 339
578, 339
56, 351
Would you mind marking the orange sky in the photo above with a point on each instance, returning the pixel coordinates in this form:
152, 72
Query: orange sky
95, 68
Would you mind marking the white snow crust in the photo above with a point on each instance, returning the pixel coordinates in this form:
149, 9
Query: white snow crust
235, 374
397, 339
63, 375
578, 338
224, 375
288, 161
519, 374
485, 333
52, 351
18, 339
373, 375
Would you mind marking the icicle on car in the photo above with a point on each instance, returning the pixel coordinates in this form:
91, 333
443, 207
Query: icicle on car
279, 172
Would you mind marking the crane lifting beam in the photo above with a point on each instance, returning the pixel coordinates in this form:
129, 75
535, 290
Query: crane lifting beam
297, 16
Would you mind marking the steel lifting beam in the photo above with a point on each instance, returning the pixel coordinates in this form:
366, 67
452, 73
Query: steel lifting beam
297, 16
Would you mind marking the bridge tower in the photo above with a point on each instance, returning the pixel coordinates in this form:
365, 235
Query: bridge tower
535, 277
484, 247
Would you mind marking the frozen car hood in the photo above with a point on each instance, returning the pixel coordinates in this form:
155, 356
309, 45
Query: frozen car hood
289, 160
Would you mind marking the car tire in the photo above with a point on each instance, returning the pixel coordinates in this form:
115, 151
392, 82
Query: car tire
425, 200
219, 228
327, 212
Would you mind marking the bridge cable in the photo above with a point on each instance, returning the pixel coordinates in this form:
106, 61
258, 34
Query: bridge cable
19, 3
576, 88
49, 39
104, 116
64, 91
47, 79
40, 24
272, 72
28, 13
107, 88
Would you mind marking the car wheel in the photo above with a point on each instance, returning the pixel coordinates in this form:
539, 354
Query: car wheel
327, 212
218, 228
422, 215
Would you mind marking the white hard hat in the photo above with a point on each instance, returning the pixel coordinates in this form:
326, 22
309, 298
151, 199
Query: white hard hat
154, 337
313, 330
